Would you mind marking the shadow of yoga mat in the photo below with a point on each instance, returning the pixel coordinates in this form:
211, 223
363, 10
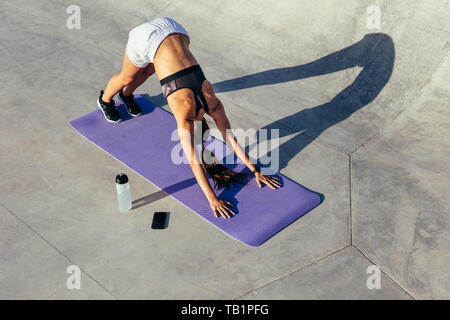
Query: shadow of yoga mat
144, 145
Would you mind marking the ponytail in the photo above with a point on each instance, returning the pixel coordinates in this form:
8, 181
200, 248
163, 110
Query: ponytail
222, 176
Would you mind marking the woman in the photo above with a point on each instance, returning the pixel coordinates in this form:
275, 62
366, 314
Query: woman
162, 47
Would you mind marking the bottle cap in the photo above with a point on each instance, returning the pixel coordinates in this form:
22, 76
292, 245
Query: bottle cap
121, 178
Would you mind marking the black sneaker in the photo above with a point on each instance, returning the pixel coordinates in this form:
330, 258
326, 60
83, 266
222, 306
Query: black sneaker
109, 110
132, 107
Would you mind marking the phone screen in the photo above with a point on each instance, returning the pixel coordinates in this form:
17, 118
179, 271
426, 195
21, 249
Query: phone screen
160, 220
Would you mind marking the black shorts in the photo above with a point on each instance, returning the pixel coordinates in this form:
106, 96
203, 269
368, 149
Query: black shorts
190, 78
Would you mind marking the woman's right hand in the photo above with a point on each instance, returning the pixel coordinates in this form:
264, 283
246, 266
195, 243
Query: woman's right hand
222, 207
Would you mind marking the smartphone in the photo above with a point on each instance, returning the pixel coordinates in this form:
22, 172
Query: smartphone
160, 220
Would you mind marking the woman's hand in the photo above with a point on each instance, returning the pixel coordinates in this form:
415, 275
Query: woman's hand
222, 207
272, 182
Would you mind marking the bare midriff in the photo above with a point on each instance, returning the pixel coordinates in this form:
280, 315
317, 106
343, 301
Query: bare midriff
173, 55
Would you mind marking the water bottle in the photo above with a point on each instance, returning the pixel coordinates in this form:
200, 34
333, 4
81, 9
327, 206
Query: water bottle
123, 192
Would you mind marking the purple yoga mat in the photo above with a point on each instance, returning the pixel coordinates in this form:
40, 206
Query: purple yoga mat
144, 145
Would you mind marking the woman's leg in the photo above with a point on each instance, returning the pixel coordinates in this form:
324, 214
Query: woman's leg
126, 76
141, 77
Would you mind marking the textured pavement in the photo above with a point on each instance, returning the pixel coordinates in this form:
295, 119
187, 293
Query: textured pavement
364, 119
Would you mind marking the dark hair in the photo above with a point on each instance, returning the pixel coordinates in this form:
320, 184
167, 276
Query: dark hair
222, 176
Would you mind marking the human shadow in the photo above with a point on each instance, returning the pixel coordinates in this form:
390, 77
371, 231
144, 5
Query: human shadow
375, 53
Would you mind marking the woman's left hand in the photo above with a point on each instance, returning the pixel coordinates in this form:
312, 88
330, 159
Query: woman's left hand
272, 182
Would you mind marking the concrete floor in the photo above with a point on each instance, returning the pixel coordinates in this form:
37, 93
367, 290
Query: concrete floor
364, 116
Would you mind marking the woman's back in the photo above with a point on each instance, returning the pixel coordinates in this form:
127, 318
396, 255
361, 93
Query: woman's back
173, 55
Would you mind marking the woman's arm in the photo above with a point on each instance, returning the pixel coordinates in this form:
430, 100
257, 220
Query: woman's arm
223, 124
186, 134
